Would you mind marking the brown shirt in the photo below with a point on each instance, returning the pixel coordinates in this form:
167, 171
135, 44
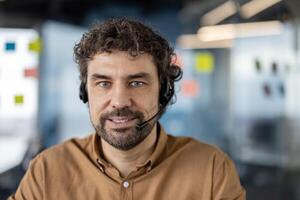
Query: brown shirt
179, 168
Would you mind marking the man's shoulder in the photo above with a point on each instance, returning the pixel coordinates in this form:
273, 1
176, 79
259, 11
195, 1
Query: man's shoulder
69, 148
194, 148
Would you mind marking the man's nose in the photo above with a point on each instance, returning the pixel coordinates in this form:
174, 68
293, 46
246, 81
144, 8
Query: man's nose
121, 97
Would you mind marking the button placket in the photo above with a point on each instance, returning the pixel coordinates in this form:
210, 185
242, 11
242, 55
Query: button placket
126, 184
126, 189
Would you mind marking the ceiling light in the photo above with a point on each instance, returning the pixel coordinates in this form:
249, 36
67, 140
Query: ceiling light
256, 6
219, 14
191, 41
233, 31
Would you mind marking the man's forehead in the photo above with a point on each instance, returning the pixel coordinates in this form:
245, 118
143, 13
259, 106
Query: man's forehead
122, 64
121, 58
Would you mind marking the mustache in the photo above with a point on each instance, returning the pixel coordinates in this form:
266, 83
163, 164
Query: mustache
123, 112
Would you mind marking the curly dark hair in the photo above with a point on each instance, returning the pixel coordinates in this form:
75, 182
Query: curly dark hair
135, 38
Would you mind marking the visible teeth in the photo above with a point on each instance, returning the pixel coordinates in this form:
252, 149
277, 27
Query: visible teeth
120, 120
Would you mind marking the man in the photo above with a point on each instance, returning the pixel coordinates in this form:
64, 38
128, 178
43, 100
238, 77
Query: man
127, 80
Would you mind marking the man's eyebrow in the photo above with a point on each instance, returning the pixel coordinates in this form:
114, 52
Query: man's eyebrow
100, 76
130, 76
139, 75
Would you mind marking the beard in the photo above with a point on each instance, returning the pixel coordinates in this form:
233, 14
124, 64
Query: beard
123, 138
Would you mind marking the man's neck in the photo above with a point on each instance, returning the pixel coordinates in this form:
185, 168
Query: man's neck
126, 161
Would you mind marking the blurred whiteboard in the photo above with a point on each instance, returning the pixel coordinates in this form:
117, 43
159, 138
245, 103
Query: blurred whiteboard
19, 60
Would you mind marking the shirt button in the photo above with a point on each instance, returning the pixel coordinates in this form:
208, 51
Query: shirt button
125, 184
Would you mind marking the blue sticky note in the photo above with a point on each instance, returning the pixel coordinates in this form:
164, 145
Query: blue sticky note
10, 46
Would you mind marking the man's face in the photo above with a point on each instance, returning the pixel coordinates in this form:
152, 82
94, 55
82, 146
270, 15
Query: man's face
123, 91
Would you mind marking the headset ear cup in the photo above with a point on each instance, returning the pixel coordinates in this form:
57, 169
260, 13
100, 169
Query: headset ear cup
165, 93
162, 93
169, 93
82, 93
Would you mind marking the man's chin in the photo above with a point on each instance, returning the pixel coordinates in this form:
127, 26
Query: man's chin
121, 138
121, 130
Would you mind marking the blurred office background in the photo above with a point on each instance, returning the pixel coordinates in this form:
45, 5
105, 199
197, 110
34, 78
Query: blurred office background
240, 89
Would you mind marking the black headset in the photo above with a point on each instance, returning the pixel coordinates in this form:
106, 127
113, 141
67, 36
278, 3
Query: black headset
82, 93
165, 94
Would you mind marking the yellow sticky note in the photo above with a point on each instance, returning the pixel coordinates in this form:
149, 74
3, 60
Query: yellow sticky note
35, 45
205, 62
19, 99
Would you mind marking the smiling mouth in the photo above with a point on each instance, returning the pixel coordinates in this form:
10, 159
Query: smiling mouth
121, 119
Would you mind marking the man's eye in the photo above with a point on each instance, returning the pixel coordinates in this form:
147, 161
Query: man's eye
104, 84
136, 84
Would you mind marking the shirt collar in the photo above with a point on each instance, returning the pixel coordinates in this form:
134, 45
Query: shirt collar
97, 151
154, 158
